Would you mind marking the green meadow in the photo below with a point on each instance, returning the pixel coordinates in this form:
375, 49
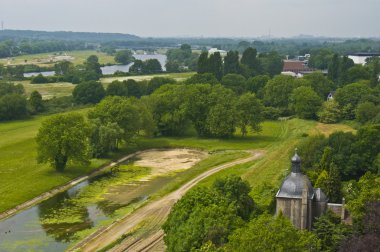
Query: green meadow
42, 59
60, 89
22, 178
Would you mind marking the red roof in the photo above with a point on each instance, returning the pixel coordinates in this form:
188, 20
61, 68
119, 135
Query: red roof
294, 66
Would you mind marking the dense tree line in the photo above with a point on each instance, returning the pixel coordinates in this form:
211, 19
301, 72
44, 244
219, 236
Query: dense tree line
15, 105
225, 218
251, 64
181, 59
124, 57
212, 110
13, 48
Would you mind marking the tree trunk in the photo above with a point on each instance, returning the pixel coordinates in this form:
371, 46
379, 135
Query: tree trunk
60, 162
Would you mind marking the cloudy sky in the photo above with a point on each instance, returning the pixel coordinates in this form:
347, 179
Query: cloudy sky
160, 18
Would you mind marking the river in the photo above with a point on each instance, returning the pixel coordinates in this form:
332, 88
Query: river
60, 221
113, 68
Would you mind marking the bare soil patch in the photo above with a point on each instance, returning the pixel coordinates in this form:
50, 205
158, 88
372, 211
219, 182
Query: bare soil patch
166, 161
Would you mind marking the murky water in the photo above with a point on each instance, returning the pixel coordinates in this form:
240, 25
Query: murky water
125, 68
54, 224
46, 73
112, 69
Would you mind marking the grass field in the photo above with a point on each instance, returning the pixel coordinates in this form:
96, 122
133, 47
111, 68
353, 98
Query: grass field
265, 175
21, 178
60, 89
42, 59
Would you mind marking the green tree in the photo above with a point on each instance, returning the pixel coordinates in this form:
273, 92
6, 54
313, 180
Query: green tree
333, 184
10, 88
249, 58
320, 84
207, 215
341, 144
13, 106
364, 152
236, 191
331, 231
249, 109
157, 82
333, 69
135, 89
344, 70
172, 66
366, 111
205, 78
104, 137
270, 63
63, 138
152, 66
231, 63
256, 84
63, 68
92, 68
117, 88
268, 233
35, 102
305, 102
203, 64
351, 95
278, 90
357, 73
215, 65
235, 82
88, 92
222, 117
320, 58
169, 112
122, 111
330, 112
39, 79
359, 194
137, 67
197, 105
375, 72
124, 57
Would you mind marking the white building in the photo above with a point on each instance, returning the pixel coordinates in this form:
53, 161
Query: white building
214, 50
360, 58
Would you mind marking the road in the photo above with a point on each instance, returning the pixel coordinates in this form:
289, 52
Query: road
149, 218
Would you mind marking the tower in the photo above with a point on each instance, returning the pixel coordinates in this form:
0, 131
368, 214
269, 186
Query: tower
296, 196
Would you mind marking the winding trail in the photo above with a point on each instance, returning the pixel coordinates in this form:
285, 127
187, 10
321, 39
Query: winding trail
149, 217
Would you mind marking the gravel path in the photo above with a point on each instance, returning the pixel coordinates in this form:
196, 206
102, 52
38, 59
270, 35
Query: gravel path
155, 212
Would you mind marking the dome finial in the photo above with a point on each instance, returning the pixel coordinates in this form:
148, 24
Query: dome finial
296, 162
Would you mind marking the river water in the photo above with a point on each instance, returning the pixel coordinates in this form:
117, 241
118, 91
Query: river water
54, 224
112, 69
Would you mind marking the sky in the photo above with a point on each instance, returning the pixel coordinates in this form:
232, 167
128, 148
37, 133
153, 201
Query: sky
208, 18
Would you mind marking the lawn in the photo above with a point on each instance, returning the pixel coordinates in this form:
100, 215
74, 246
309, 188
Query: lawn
266, 174
21, 178
60, 89
42, 59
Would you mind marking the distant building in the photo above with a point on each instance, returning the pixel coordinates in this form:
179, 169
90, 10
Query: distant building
360, 58
298, 67
214, 50
294, 66
300, 202
330, 96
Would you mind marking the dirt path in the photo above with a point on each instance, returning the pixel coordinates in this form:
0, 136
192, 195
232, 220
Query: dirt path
154, 214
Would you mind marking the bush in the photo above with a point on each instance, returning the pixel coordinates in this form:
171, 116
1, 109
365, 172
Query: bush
39, 79
271, 113
88, 92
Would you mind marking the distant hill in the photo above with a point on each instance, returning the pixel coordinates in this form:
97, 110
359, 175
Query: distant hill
65, 35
